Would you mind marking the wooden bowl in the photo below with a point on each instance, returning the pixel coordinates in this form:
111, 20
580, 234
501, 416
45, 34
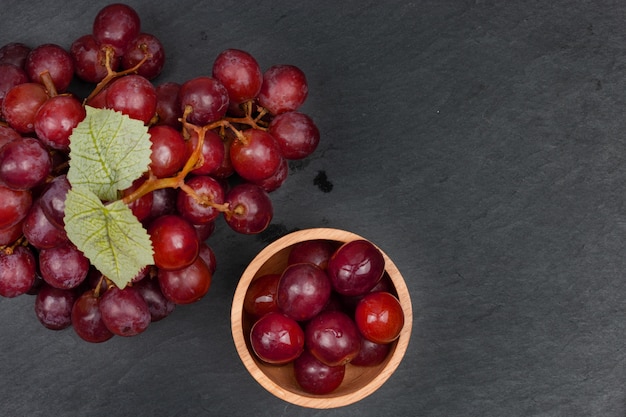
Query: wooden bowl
359, 382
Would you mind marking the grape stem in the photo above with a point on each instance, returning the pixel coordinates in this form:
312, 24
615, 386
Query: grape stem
46, 80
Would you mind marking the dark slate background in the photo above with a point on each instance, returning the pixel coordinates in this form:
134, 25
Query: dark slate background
479, 143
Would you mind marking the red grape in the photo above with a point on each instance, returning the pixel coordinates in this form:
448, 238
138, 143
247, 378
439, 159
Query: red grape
10, 234
333, 338
317, 252
145, 44
207, 97
379, 317
303, 291
316, 377
277, 339
295, 133
240, 73
212, 152
195, 211
53, 307
90, 59
17, 271
159, 306
87, 319
168, 104
174, 241
10, 76
40, 231
20, 106
256, 158
356, 267
15, 206
141, 207
14, 53
116, 25
63, 266
54, 60
24, 163
250, 209
124, 311
169, 151
52, 200
56, 119
284, 89
186, 285
134, 96
371, 354
260, 297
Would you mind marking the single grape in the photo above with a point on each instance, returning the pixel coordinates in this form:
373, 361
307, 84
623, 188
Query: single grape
15, 206
379, 317
53, 59
303, 291
63, 266
212, 152
168, 105
14, 53
356, 267
24, 163
87, 319
250, 210
169, 151
296, 134
316, 377
124, 311
333, 338
260, 297
17, 271
145, 44
116, 25
240, 74
163, 202
207, 97
134, 96
53, 307
257, 157
90, 59
277, 339
159, 306
317, 252
371, 354
274, 181
195, 211
186, 285
52, 200
284, 89
174, 241
55, 120
10, 76
40, 231
20, 106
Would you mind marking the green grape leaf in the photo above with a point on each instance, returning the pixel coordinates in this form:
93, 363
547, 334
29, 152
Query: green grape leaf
108, 151
110, 236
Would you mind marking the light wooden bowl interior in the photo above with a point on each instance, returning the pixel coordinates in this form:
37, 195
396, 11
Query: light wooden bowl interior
359, 382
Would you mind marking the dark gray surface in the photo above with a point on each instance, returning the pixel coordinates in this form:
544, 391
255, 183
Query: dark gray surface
479, 143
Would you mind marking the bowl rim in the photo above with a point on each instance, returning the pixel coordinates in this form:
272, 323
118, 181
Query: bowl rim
317, 401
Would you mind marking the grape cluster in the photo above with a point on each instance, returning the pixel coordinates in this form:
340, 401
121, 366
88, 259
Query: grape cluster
219, 145
329, 307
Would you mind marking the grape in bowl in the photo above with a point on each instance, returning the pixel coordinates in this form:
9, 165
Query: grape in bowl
352, 376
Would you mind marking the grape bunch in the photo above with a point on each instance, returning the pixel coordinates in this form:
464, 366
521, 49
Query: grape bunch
329, 307
216, 145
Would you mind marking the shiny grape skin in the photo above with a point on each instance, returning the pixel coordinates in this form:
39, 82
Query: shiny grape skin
332, 337
303, 291
134, 96
316, 251
207, 97
159, 306
379, 317
153, 66
55, 120
90, 59
316, 377
24, 163
284, 89
276, 338
174, 241
256, 158
17, 271
192, 210
186, 285
240, 73
52, 200
371, 354
251, 209
53, 307
356, 267
124, 311
15, 206
116, 25
40, 231
20, 106
87, 319
168, 104
53, 59
296, 134
169, 151
260, 297
63, 266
